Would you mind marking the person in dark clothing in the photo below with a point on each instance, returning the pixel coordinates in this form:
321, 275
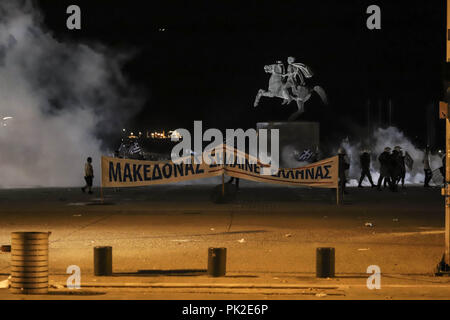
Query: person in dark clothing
442, 169
427, 168
234, 179
403, 168
401, 159
384, 159
88, 175
344, 167
364, 160
395, 168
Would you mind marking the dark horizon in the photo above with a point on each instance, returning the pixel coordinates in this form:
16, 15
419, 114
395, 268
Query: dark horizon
208, 63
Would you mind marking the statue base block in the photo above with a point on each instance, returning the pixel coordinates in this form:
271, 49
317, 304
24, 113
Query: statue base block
298, 141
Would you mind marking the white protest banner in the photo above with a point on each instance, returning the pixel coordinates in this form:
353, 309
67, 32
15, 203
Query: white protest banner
118, 172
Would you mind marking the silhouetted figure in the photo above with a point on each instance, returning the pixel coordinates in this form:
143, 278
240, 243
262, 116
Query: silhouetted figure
395, 168
384, 159
364, 160
236, 183
344, 166
402, 167
442, 169
427, 168
88, 176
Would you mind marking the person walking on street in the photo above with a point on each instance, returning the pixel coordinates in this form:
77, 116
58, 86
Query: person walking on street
88, 175
364, 160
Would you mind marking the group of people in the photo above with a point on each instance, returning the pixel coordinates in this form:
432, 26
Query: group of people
392, 168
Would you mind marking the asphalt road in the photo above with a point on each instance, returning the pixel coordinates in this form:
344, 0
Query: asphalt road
160, 236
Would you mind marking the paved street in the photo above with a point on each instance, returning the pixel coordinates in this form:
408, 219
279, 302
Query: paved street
160, 236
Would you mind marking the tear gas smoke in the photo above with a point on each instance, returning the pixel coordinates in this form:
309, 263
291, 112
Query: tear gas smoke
381, 138
389, 137
61, 96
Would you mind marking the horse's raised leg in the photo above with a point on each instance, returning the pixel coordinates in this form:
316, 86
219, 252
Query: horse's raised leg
258, 96
262, 93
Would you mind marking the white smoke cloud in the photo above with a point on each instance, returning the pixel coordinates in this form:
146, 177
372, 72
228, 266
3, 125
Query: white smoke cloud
60, 95
389, 137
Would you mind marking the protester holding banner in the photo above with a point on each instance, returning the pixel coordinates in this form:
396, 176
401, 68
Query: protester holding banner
344, 167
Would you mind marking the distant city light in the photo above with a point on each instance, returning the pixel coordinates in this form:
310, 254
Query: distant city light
155, 134
4, 119
174, 134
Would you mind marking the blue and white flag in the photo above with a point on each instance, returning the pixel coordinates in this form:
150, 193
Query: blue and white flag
135, 148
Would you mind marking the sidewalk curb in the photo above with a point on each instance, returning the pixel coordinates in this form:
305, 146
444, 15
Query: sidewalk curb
208, 286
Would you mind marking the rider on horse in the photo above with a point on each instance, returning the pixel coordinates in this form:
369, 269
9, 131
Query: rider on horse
294, 71
295, 77
280, 81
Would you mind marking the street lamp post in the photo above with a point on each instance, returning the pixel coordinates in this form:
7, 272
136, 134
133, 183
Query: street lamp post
444, 114
444, 265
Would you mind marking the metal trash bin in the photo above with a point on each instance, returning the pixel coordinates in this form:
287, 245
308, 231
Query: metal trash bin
103, 261
325, 260
217, 262
29, 262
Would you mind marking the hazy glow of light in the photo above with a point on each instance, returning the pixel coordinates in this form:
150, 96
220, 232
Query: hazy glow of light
7, 118
175, 134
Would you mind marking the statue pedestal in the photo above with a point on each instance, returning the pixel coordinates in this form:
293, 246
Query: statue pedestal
295, 139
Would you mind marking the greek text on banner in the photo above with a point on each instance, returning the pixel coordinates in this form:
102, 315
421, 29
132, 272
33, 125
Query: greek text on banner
118, 172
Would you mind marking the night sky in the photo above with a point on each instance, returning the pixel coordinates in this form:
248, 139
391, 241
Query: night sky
208, 64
